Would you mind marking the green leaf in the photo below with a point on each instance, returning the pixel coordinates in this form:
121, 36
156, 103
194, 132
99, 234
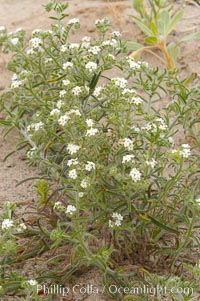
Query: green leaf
163, 226
174, 21
143, 27
133, 45
163, 24
192, 36
5, 122
151, 40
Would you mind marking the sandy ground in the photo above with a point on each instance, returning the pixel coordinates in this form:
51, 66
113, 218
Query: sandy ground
29, 15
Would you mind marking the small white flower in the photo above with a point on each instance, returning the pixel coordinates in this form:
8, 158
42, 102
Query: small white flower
58, 205
116, 34
112, 43
81, 194
185, 151
75, 112
97, 91
119, 82
60, 103
67, 65
90, 166
127, 158
7, 223
117, 220
14, 41
63, 119
73, 148
35, 126
91, 66
73, 21
91, 132
74, 46
135, 174
66, 82
35, 43
128, 144
63, 48
72, 162
76, 91
133, 64
73, 174
70, 209
30, 154
84, 183
54, 112
22, 227
94, 50
16, 84
90, 122
152, 163
62, 93
102, 21
86, 39
48, 60
198, 201
2, 28
32, 282
30, 51
137, 100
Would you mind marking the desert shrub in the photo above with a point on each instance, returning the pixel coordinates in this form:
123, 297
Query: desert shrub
118, 189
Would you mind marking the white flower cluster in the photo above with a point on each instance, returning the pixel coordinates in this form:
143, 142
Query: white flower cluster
60, 103
70, 210
119, 82
62, 93
91, 66
127, 158
73, 148
35, 126
185, 151
14, 41
128, 144
74, 46
90, 166
54, 112
2, 28
67, 65
153, 127
97, 91
117, 220
94, 50
32, 282
91, 132
102, 21
73, 174
135, 174
110, 43
63, 48
65, 118
89, 122
7, 223
137, 100
135, 65
16, 83
59, 206
30, 154
73, 21
66, 82
84, 183
76, 91
22, 227
72, 162
116, 34
152, 163
86, 42
36, 43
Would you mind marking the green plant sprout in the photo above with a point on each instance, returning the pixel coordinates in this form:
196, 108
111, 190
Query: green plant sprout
157, 22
